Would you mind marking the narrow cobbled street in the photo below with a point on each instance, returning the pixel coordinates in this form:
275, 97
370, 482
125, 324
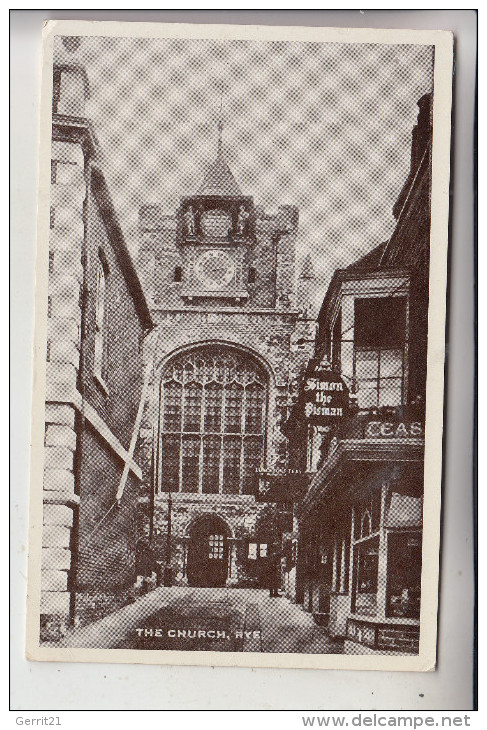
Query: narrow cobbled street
208, 619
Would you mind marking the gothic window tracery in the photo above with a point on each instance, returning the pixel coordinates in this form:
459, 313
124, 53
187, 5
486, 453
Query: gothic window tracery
213, 416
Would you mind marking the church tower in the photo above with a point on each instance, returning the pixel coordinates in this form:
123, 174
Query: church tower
306, 288
219, 249
220, 278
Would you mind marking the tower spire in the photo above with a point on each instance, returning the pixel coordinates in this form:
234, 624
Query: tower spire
220, 132
219, 179
220, 129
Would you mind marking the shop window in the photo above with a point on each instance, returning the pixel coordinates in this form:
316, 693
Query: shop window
367, 566
403, 574
379, 342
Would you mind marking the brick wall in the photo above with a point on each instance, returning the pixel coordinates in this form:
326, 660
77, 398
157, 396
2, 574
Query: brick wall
68, 193
107, 533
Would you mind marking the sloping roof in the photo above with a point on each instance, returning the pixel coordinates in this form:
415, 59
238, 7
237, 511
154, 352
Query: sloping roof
219, 180
371, 260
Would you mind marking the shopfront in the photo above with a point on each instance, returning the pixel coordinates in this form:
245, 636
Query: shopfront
361, 535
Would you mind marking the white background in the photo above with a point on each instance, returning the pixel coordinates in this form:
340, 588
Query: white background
50, 686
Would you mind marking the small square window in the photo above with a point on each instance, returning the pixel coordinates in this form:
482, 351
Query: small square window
252, 551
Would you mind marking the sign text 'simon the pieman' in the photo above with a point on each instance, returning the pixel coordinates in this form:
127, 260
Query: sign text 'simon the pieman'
326, 398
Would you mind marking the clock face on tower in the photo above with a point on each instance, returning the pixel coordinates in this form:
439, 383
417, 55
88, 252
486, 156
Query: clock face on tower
214, 269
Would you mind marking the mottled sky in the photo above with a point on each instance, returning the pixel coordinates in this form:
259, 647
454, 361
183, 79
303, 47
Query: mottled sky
324, 126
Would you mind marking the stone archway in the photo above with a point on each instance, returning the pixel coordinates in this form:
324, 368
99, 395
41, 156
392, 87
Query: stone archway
208, 552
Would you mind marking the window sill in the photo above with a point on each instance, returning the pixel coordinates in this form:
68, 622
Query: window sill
101, 383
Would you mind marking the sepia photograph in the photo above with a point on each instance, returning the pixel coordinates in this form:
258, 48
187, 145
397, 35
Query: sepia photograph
240, 336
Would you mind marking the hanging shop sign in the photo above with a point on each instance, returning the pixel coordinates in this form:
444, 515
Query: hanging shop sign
325, 398
281, 486
393, 429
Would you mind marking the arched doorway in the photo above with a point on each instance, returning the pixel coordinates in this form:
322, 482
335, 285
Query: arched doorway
208, 552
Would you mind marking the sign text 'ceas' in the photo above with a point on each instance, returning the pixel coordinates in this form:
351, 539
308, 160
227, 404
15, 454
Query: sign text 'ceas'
390, 429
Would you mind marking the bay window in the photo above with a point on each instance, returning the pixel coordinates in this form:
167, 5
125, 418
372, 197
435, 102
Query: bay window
379, 351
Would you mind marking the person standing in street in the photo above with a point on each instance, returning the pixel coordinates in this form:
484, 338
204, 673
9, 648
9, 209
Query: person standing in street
274, 572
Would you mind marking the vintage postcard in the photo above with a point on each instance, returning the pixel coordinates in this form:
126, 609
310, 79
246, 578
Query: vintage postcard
239, 354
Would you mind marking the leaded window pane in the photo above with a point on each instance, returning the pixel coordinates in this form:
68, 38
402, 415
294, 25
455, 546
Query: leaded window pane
219, 370
216, 545
366, 396
172, 407
379, 377
192, 407
211, 393
188, 372
190, 463
170, 463
211, 464
252, 461
254, 401
366, 364
391, 363
390, 392
199, 370
231, 464
233, 408
213, 408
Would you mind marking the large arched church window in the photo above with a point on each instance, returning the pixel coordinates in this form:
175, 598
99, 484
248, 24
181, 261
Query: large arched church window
213, 403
